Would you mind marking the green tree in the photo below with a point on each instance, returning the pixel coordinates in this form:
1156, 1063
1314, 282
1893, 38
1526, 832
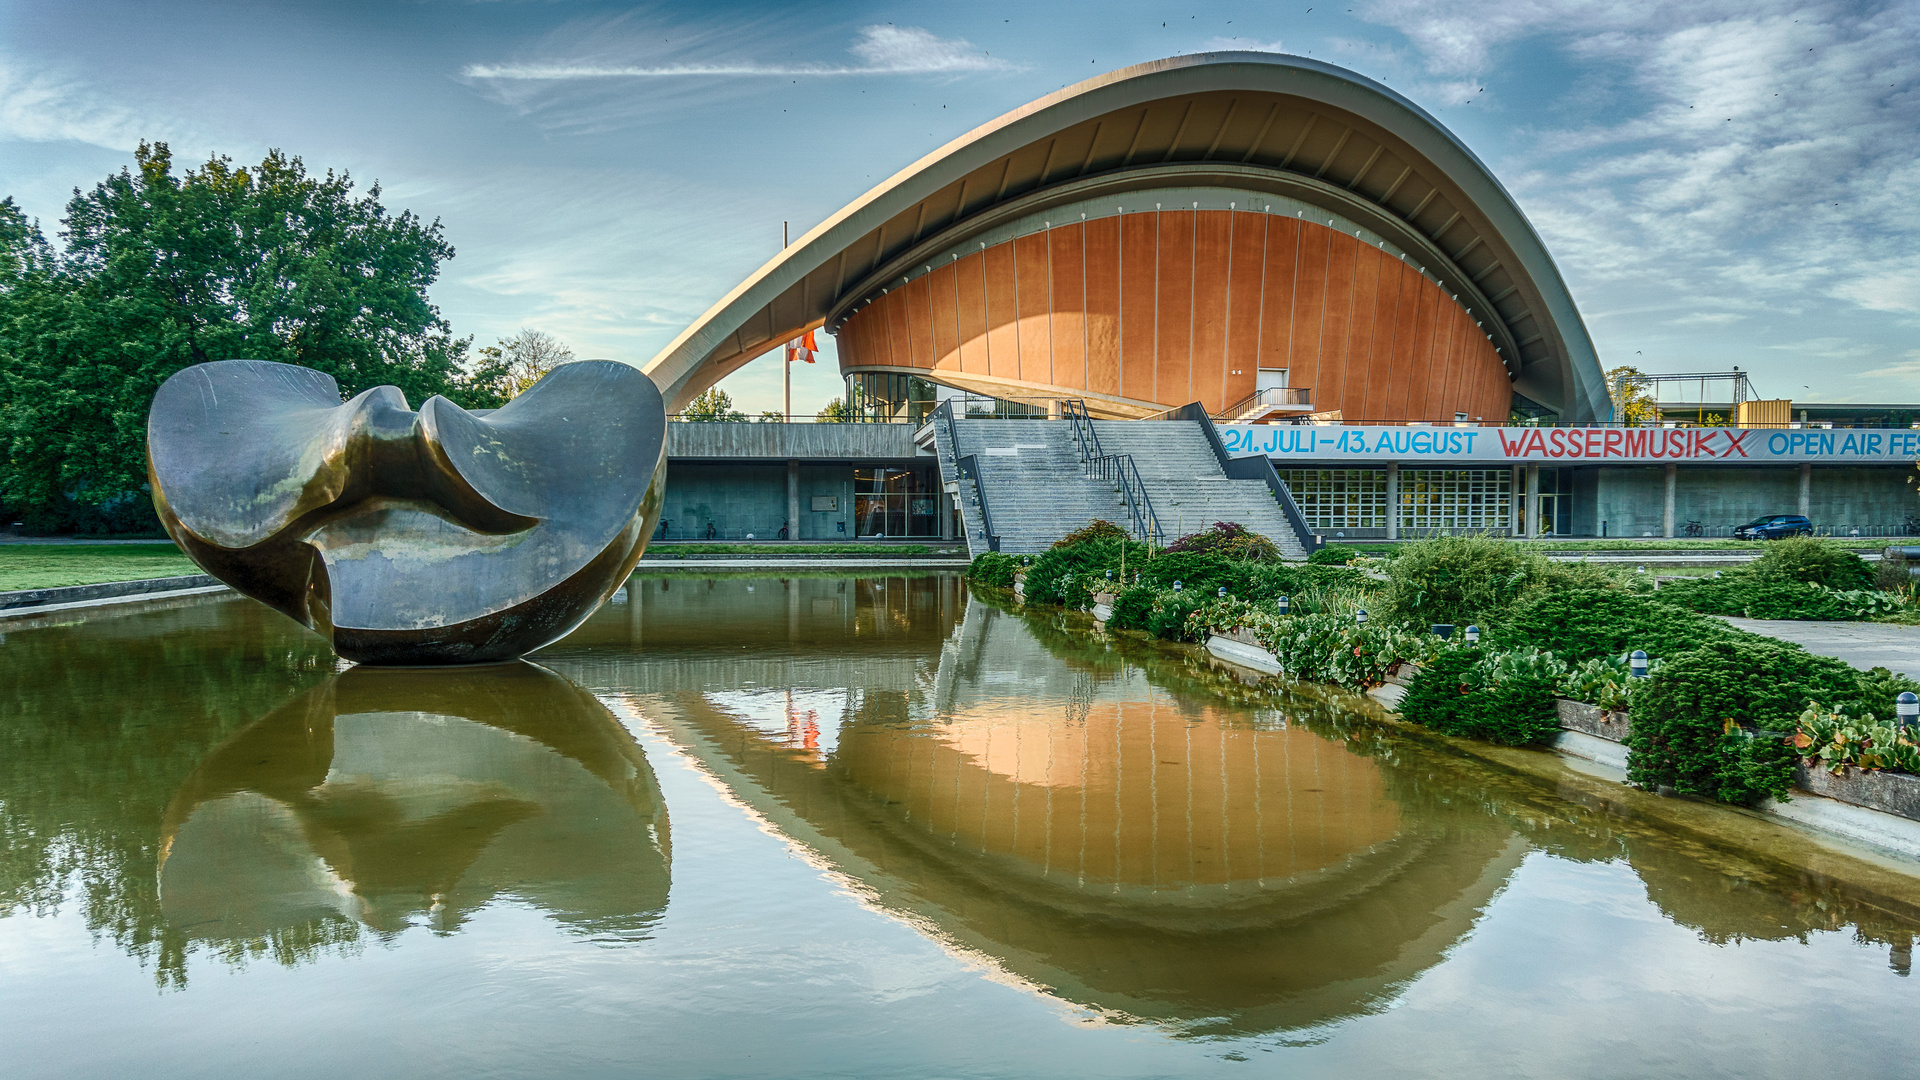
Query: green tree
773, 416
162, 270
835, 412
1631, 402
713, 405
507, 368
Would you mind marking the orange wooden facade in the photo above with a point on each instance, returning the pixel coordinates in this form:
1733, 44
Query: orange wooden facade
1157, 309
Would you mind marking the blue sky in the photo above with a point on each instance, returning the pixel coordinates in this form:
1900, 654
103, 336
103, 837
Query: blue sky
1721, 183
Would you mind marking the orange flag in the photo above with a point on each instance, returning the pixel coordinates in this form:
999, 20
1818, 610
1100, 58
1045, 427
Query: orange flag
802, 349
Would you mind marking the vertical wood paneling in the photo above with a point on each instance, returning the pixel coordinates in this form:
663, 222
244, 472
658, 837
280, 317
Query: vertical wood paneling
1213, 283
1067, 330
1102, 240
1338, 322
1162, 307
1309, 313
920, 351
1139, 243
943, 325
970, 296
1277, 327
1173, 383
1035, 284
1003, 335
1242, 341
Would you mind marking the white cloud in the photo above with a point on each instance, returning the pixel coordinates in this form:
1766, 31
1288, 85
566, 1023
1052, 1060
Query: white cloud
39, 106
884, 50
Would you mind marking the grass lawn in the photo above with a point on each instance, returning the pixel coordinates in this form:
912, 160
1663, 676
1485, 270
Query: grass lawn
788, 549
1551, 546
46, 566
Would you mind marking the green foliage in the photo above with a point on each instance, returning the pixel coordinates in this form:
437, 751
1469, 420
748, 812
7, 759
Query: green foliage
1756, 595
713, 405
993, 569
1804, 559
835, 412
1879, 688
1228, 540
1835, 740
1606, 681
1502, 696
1471, 579
1196, 572
1050, 580
1688, 721
163, 270
1335, 649
1334, 555
1132, 606
1169, 615
1581, 624
1097, 529
1309, 589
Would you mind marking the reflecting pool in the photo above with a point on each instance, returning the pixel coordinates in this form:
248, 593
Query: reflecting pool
842, 826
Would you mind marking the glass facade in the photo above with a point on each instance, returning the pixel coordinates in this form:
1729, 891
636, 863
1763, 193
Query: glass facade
878, 397
1455, 500
896, 502
1340, 500
1354, 501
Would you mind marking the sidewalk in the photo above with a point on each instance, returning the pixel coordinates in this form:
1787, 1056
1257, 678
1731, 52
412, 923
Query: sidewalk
1862, 644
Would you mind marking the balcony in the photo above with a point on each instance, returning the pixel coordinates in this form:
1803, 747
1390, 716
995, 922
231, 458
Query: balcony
1264, 404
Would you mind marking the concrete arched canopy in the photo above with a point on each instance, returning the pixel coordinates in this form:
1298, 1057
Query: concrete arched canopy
1298, 127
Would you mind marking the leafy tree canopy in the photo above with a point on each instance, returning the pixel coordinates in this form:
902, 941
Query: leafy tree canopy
507, 368
713, 404
162, 270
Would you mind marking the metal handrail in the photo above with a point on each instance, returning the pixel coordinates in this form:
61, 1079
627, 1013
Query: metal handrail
1084, 433
1272, 395
1256, 467
968, 467
1120, 469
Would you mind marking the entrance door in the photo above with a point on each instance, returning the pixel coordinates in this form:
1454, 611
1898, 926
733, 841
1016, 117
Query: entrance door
1271, 379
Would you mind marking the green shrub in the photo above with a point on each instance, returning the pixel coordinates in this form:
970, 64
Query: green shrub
1167, 616
1756, 595
1230, 540
1834, 740
1690, 723
993, 569
1458, 579
1310, 589
1097, 529
1334, 649
1131, 607
1504, 697
1582, 624
1879, 688
1196, 571
1334, 555
1606, 681
1048, 577
1813, 562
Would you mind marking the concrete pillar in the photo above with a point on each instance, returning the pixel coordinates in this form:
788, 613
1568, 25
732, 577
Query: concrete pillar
1393, 500
1514, 502
1806, 489
1666, 503
793, 499
1533, 501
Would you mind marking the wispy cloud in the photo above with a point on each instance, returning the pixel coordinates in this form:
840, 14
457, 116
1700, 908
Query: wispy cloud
881, 50
41, 106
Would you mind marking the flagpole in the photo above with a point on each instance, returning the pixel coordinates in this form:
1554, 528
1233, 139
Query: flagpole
786, 359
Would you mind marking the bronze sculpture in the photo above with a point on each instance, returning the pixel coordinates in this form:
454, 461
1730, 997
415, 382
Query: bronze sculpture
437, 537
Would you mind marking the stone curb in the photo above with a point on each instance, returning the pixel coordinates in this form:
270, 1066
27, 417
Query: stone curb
67, 594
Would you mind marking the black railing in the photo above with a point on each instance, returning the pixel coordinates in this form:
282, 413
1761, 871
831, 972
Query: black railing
1119, 469
1075, 411
967, 468
1272, 397
1256, 467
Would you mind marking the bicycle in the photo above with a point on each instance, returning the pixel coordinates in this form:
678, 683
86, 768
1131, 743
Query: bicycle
1694, 528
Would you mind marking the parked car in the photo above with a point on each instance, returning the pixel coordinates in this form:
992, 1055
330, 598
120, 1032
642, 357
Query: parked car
1773, 527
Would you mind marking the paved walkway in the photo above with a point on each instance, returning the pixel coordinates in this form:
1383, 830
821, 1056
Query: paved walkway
1862, 644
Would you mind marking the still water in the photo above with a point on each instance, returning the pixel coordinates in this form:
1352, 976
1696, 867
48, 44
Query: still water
852, 827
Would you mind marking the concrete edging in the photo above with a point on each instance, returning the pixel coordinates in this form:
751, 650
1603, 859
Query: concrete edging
106, 590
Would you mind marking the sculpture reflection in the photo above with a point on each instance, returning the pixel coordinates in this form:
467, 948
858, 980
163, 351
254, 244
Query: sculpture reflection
1150, 856
385, 797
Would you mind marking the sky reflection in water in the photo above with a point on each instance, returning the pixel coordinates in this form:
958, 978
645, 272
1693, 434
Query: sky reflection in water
911, 833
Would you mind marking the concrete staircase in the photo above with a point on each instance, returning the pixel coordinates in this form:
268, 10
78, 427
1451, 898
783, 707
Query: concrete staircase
1186, 486
1037, 490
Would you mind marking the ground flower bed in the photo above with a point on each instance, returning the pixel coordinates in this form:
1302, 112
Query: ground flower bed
1722, 713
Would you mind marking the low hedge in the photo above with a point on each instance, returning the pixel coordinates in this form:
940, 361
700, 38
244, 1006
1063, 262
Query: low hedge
1757, 595
993, 569
1502, 697
1580, 624
1711, 722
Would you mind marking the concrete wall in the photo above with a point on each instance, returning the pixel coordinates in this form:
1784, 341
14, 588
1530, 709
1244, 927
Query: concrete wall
846, 442
1629, 500
749, 497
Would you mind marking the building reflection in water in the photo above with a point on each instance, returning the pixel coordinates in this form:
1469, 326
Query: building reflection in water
1152, 856
382, 798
